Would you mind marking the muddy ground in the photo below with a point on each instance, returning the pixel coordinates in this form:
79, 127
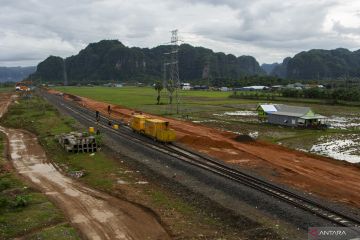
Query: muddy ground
95, 214
326, 177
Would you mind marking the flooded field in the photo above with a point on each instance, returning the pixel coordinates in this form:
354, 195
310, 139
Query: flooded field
340, 122
237, 113
342, 147
341, 141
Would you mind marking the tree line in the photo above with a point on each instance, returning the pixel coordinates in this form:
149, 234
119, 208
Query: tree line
317, 93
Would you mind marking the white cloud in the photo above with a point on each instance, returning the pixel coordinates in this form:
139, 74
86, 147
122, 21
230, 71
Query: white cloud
268, 30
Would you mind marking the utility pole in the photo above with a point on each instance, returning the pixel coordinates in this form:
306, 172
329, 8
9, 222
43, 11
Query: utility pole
65, 73
172, 63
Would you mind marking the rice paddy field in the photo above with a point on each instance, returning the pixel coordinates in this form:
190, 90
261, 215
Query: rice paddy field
216, 109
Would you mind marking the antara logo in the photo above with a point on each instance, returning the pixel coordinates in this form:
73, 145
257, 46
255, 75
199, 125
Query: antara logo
332, 233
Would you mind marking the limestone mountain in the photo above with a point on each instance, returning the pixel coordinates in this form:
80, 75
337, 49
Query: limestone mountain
320, 64
268, 68
110, 60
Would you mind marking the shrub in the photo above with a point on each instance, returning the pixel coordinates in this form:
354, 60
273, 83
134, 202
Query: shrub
3, 202
98, 139
4, 184
20, 201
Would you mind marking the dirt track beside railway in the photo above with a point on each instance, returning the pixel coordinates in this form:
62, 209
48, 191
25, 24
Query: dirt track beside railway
95, 214
329, 178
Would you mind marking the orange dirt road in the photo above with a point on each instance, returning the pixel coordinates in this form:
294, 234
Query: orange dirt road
333, 179
95, 214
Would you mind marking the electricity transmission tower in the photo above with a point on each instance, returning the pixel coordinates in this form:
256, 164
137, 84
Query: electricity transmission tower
171, 81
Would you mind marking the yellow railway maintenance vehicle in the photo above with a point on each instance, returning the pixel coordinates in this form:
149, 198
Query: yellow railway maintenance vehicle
154, 128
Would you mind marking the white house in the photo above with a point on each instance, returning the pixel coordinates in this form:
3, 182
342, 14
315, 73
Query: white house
185, 86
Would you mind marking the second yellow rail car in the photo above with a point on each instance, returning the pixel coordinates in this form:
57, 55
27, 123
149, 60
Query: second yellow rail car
154, 128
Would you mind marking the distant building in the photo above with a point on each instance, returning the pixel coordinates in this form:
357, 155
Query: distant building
254, 88
297, 86
113, 85
185, 86
224, 89
308, 86
277, 87
292, 116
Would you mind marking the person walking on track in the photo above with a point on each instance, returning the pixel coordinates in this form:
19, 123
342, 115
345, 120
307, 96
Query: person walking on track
97, 117
109, 110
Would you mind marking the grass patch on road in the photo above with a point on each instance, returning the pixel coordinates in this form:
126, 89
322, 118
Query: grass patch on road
26, 212
59, 232
100, 171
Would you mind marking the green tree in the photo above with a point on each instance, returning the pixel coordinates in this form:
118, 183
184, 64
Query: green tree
158, 87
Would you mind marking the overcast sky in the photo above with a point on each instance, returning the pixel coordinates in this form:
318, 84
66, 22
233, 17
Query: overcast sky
269, 30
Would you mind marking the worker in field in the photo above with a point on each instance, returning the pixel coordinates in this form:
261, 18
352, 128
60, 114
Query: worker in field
109, 110
97, 117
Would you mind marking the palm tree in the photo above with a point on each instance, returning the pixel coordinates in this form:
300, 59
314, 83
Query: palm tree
158, 87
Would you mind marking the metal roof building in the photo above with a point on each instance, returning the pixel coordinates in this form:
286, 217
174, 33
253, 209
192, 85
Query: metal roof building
254, 88
268, 108
292, 116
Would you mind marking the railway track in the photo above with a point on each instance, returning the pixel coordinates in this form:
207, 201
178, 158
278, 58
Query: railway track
216, 167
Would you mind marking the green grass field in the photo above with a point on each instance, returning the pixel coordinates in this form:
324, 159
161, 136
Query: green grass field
208, 107
144, 98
